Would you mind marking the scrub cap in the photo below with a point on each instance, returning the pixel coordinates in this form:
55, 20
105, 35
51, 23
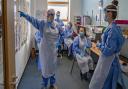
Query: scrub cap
51, 11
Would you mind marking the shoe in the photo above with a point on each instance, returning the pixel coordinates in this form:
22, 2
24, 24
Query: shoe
52, 87
85, 75
58, 55
44, 87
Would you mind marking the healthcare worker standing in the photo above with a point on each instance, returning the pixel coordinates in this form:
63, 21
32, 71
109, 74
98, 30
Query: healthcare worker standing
81, 47
61, 35
108, 69
58, 20
47, 47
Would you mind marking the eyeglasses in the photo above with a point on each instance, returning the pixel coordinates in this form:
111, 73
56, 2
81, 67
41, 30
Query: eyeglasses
51, 14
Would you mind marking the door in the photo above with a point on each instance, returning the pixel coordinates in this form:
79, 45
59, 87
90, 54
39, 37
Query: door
8, 40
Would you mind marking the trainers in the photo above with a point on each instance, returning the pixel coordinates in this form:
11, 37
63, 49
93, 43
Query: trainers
52, 87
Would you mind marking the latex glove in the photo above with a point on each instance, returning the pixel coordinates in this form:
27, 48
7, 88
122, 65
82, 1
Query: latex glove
21, 13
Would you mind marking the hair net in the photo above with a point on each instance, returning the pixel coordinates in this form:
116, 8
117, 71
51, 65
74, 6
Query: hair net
51, 11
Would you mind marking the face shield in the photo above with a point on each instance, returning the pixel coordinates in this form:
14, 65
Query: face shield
106, 11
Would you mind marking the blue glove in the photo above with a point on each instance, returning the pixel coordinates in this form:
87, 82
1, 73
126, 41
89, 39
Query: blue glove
22, 14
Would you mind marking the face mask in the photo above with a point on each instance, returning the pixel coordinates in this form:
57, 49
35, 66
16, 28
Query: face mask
49, 20
81, 34
58, 16
68, 26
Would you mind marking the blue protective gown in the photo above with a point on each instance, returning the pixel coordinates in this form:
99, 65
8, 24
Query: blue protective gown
68, 33
47, 47
60, 22
38, 36
76, 47
108, 69
60, 25
81, 52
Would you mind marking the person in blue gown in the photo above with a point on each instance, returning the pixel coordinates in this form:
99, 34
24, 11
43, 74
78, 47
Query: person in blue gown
61, 34
81, 51
108, 71
68, 37
37, 41
47, 47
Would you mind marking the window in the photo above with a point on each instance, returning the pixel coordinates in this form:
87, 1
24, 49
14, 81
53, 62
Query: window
60, 5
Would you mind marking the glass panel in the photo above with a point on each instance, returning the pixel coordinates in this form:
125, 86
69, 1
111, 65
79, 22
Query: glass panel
58, 0
62, 8
1, 50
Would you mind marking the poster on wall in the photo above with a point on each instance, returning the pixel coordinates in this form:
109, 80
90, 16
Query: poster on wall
21, 25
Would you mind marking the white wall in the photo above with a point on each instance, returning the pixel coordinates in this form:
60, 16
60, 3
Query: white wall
22, 55
38, 9
75, 9
89, 5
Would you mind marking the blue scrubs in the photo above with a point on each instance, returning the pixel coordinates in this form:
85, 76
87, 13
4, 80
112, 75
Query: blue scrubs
38, 40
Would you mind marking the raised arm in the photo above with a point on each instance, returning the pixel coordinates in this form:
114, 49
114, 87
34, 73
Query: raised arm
35, 22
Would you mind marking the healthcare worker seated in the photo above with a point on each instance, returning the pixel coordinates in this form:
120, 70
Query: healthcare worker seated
68, 34
108, 71
68, 37
47, 47
60, 27
81, 47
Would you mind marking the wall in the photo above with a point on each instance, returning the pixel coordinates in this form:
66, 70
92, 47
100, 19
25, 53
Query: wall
75, 9
38, 11
89, 5
23, 54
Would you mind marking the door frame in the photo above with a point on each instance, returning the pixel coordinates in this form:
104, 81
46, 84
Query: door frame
8, 44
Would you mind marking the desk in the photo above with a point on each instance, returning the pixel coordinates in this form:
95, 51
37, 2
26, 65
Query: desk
95, 50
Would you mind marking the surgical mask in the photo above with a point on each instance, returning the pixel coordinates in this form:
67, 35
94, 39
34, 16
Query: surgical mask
49, 20
58, 16
68, 26
81, 34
